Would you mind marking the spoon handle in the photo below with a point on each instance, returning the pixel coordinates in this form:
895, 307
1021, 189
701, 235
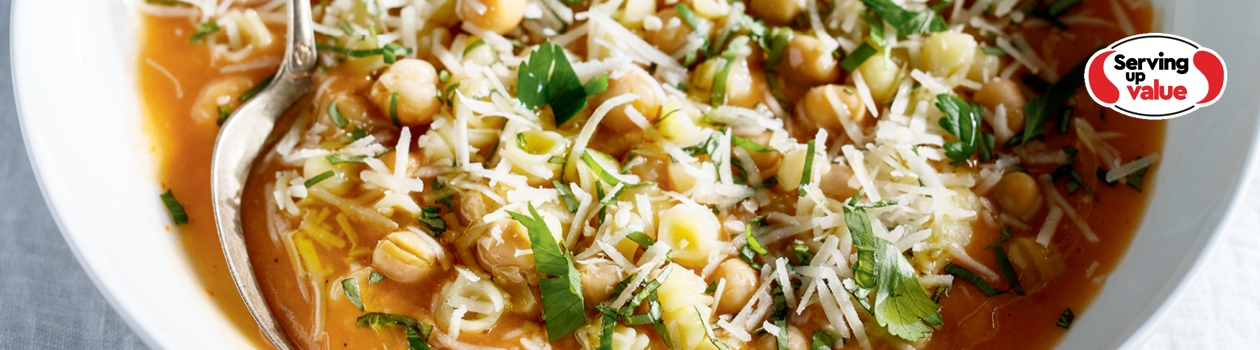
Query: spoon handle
240, 141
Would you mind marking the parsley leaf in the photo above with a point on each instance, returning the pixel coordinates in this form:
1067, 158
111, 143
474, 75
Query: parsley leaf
1008, 271
906, 22
963, 121
1065, 319
754, 225
431, 221
822, 340
562, 293
316, 180
203, 30
1037, 111
375, 278
750, 145
351, 288
859, 55
176, 209
971, 277
566, 194
901, 305
336, 116
807, 173
547, 78
417, 331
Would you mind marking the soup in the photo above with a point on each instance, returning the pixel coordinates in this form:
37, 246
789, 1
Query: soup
678, 174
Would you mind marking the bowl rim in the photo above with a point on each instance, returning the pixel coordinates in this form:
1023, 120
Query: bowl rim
106, 283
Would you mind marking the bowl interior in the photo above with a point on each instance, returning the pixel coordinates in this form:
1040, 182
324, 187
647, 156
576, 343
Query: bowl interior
80, 116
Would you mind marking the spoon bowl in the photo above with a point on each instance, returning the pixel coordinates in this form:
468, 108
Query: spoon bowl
241, 140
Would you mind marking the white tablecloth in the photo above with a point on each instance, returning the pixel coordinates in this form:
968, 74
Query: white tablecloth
47, 302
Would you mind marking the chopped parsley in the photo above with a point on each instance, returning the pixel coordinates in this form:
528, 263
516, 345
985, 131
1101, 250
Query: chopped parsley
1068, 170
603, 174
963, 121
803, 254
256, 89
317, 179
748, 256
807, 173
1065, 319
336, 116
224, 113
749, 229
906, 22
642, 239
176, 209
345, 27
375, 278
417, 331
1012, 280
562, 301
566, 194
393, 108
547, 78
971, 277
901, 305
203, 30
351, 288
389, 53
1039, 109
822, 340
431, 221
993, 51
750, 145
857, 57
343, 158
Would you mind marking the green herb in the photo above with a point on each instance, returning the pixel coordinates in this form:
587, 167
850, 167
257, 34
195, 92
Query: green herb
601, 173
375, 278
642, 239
688, 16
900, 306
775, 45
1006, 235
749, 229
771, 181
1065, 319
717, 95
803, 254
342, 158
971, 277
906, 22
336, 116
417, 331
256, 89
176, 209
1064, 120
876, 28
607, 323
224, 113
711, 288
557, 160
1134, 179
708, 331
562, 293
1008, 271
566, 194
473, 46
747, 254
547, 78
822, 340
859, 55
879, 204
345, 27
750, 145
597, 85
315, 180
777, 91
444, 76
521, 142
1041, 107
941, 6
357, 133
993, 51
203, 30
1068, 170
373, 9
706, 147
963, 121
778, 316
393, 108
807, 173
431, 221
351, 288
389, 53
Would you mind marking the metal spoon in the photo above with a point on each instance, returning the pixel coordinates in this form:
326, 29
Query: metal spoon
240, 141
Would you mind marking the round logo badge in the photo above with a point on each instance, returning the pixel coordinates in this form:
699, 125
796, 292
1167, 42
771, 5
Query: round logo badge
1155, 76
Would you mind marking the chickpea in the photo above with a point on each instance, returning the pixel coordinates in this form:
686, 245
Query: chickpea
221, 92
805, 58
472, 207
648, 104
352, 107
500, 258
405, 256
775, 12
390, 159
598, 279
947, 53
835, 184
672, 36
1035, 264
817, 106
745, 84
653, 169
1017, 193
796, 340
415, 82
741, 282
882, 77
1003, 92
499, 16
765, 161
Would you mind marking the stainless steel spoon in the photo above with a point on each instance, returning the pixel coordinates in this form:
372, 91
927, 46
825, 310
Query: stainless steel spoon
240, 141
